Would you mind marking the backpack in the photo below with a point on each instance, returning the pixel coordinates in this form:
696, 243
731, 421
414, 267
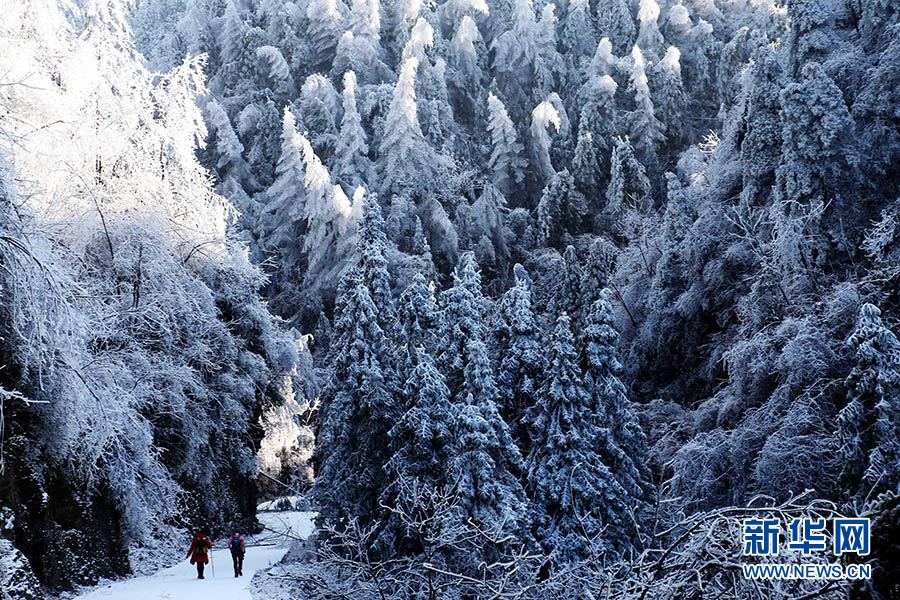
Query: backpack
235, 544
200, 547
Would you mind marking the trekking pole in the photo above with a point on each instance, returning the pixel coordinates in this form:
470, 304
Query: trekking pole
212, 564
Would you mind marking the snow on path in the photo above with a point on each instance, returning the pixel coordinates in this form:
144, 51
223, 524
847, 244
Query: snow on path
180, 582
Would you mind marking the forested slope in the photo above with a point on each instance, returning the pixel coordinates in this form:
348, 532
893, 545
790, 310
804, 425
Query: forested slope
701, 196
582, 278
137, 356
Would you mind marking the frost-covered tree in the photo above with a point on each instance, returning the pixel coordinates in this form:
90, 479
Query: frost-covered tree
282, 221
587, 169
319, 106
698, 52
482, 224
573, 491
668, 91
409, 163
434, 108
420, 318
266, 146
231, 41
487, 461
358, 410
543, 117
677, 23
330, 219
365, 19
561, 210
326, 24
464, 313
467, 70
595, 273
424, 443
279, 71
614, 21
628, 182
867, 451
506, 161
522, 365
578, 38
812, 187
351, 166
229, 148
762, 141
649, 38
371, 247
525, 57
567, 293
644, 128
621, 441
598, 115
812, 32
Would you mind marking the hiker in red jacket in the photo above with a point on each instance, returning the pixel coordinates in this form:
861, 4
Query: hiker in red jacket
238, 548
199, 551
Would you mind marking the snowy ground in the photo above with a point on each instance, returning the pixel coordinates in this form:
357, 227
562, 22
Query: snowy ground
180, 582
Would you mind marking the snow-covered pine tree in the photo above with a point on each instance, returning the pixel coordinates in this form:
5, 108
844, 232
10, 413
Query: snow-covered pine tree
649, 38
327, 21
561, 210
543, 117
409, 164
282, 223
629, 186
279, 71
762, 140
614, 21
814, 178
573, 491
465, 308
668, 91
320, 106
419, 316
812, 34
266, 147
578, 38
351, 166
567, 291
365, 19
371, 249
598, 115
229, 148
482, 223
595, 274
330, 221
587, 170
358, 410
645, 128
507, 161
465, 78
678, 24
434, 109
423, 442
231, 37
621, 441
486, 462
522, 364
525, 58
867, 450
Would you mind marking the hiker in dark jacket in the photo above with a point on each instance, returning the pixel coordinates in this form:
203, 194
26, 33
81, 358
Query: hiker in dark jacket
199, 551
238, 548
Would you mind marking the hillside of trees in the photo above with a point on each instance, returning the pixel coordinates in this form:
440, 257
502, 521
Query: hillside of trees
558, 289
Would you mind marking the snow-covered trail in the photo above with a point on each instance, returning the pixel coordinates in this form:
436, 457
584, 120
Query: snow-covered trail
180, 582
